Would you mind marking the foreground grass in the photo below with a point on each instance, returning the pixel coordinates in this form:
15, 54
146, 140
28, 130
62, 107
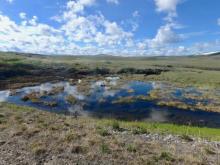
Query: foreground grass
212, 134
162, 128
42, 137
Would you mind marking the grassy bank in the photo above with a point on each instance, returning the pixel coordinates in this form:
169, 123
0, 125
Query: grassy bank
162, 128
136, 127
42, 137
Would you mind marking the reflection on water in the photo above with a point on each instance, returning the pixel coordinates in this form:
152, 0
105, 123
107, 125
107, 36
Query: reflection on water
100, 101
4, 95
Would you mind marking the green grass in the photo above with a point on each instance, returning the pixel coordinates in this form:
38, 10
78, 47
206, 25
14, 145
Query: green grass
115, 125
183, 131
204, 78
15, 107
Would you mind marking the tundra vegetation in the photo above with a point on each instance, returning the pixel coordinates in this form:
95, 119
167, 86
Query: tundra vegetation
31, 136
18, 70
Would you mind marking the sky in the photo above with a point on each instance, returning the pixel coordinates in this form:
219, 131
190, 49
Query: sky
115, 27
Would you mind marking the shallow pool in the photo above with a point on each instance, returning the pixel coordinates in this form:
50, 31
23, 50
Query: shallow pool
129, 101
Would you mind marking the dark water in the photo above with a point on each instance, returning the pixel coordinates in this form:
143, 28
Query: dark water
100, 103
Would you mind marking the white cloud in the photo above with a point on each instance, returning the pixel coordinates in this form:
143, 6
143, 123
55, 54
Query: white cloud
42, 38
80, 33
31, 37
165, 35
92, 29
22, 15
78, 6
113, 1
33, 21
167, 5
94, 33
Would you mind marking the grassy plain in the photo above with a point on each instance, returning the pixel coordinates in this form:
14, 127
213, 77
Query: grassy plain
201, 71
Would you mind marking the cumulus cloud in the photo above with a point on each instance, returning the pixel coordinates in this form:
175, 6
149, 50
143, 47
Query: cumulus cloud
81, 33
78, 6
31, 37
167, 5
94, 29
113, 1
94, 33
166, 34
22, 15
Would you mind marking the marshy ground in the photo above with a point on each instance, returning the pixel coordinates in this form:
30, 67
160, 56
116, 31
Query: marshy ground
31, 136
18, 70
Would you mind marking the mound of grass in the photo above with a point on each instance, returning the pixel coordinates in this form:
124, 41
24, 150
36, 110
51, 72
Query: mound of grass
131, 148
115, 125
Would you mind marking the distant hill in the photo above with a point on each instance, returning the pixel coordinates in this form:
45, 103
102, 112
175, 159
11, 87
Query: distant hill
111, 57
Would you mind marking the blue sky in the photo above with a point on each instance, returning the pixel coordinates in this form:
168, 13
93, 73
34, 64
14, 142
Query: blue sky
118, 27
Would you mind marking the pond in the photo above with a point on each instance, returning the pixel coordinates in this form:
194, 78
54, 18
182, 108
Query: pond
133, 101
